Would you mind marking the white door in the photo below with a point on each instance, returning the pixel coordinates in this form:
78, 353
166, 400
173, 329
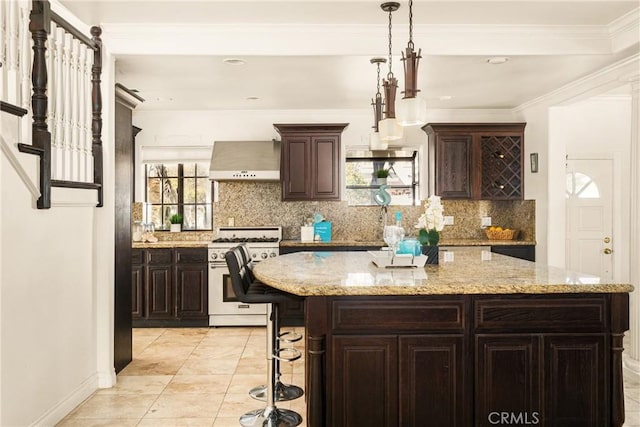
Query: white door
589, 192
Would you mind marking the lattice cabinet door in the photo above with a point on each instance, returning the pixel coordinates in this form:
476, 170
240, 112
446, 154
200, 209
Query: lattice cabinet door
502, 177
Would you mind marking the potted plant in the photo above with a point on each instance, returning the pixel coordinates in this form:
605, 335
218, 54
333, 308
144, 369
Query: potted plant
430, 224
176, 222
381, 176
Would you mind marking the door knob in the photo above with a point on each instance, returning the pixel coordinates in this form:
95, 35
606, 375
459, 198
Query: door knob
607, 251
607, 239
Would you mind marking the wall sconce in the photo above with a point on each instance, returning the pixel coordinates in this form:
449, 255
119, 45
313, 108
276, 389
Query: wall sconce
533, 157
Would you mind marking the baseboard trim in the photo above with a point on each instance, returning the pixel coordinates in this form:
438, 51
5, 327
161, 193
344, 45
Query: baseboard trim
64, 407
631, 367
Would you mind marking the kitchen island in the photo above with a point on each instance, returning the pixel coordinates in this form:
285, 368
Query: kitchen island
480, 339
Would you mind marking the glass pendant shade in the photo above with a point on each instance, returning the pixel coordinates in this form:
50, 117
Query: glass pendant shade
390, 130
411, 111
375, 143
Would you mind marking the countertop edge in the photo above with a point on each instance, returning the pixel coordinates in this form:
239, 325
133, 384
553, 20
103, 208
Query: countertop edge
452, 242
171, 244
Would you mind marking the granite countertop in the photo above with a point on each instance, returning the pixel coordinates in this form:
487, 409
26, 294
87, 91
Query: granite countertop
171, 244
472, 271
444, 242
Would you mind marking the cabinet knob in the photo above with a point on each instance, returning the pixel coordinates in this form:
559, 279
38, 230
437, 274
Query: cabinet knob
498, 185
607, 251
498, 155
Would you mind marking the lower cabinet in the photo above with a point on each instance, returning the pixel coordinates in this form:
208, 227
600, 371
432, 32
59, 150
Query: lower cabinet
169, 287
551, 380
475, 360
394, 392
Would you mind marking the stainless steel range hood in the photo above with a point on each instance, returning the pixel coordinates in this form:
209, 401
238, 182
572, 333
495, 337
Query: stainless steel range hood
245, 161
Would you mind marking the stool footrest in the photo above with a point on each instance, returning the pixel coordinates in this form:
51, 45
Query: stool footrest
289, 337
295, 354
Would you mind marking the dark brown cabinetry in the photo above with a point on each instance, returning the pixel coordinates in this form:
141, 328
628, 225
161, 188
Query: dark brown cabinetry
527, 252
476, 160
169, 287
548, 360
310, 162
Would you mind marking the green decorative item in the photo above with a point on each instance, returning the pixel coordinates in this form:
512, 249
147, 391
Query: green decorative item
429, 237
382, 173
176, 223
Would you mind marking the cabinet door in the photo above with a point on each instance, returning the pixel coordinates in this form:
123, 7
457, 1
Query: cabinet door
159, 292
575, 383
439, 400
453, 166
325, 170
365, 381
501, 167
507, 378
296, 168
191, 286
137, 288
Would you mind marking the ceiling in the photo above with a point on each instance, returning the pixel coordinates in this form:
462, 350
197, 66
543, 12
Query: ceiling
315, 54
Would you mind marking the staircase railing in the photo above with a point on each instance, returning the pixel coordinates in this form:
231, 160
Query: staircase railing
66, 100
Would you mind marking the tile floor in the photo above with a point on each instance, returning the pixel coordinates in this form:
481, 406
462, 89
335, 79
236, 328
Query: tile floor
187, 377
201, 376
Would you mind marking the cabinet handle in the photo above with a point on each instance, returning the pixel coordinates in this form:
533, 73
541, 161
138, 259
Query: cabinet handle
498, 155
498, 185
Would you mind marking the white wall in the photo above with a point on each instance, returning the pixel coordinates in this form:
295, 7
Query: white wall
598, 126
47, 315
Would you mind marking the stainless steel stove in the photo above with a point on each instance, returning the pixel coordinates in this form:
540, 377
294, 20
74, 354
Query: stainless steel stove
224, 307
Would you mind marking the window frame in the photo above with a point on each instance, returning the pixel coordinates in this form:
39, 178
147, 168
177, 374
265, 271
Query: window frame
180, 192
414, 186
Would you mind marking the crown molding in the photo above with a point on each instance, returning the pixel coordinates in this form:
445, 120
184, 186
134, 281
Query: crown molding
600, 82
625, 31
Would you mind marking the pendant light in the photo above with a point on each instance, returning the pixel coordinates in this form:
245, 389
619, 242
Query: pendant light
377, 103
412, 109
389, 128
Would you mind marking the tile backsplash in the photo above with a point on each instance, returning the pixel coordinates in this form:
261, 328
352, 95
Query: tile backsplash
259, 203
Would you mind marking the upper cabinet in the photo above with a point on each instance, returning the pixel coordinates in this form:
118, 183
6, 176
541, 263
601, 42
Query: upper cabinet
310, 164
479, 161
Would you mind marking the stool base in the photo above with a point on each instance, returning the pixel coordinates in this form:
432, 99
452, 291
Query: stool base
283, 392
271, 417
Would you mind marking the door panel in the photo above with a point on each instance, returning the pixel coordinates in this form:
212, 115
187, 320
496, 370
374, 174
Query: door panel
589, 221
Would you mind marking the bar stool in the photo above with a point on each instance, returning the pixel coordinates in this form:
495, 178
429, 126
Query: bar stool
251, 291
283, 392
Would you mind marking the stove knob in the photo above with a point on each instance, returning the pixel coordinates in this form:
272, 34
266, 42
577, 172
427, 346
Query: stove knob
263, 255
254, 255
214, 255
272, 255
221, 255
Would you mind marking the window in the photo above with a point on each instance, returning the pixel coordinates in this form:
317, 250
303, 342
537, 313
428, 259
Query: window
178, 188
581, 186
362, 183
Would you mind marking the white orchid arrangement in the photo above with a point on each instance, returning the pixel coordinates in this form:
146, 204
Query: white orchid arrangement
431, 222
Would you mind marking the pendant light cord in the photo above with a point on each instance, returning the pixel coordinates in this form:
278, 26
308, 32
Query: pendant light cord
390, 75
410, 44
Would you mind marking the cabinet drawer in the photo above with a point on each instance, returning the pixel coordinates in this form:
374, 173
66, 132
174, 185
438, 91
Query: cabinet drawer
137, 256
399, 314
541, 314
159, 256
191, 255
